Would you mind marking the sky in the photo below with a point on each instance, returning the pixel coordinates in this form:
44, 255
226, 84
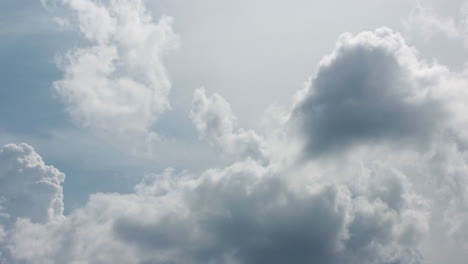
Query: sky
233, 132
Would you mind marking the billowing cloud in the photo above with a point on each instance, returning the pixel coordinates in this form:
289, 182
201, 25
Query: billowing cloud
372, 87
245, 213
29, 188
215, 123
376, 204
118, 84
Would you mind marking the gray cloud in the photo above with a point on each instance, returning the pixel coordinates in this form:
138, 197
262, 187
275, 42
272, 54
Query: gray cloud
371, 88
376, 205
245, 213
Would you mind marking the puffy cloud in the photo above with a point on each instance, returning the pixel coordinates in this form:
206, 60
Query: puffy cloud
118, 85
379, 204
245, 213
372, 87
373, 96
215, 123
28, 187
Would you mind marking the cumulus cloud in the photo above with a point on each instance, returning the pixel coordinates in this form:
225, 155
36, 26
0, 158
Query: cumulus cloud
118, 84
374, 95
29, 188
245, 213
376, 204
215, 123
372, 87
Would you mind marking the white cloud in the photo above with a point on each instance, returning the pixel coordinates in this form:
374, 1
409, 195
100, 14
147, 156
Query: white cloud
425, 21
379, 203
428, 23
28, 187
215, 123
245, 213
118, 85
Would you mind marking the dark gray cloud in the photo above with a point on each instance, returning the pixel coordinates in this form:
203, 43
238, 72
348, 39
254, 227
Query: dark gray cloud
246, 215
226, 219
371, 88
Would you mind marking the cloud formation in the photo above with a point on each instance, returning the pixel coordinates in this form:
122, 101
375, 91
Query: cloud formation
372, 87
377, 204
215, 123
428, 23
29, 189
245, 213
118, 85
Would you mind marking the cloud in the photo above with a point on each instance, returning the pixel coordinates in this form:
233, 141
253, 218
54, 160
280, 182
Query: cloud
29, 188
118, 84
425, 21
428, 23
215, 123
245, 213
372, 87
374, 97
377, 204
